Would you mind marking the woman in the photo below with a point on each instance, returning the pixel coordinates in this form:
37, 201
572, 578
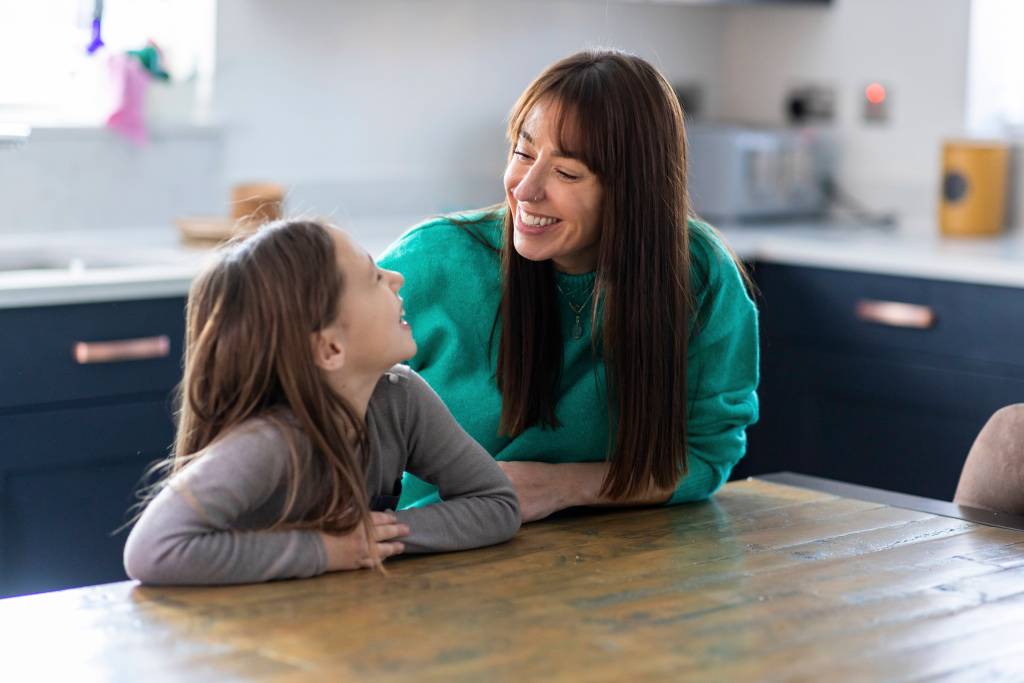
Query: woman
592, 336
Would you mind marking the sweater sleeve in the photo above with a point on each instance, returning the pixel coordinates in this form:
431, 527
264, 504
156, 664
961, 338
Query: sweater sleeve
478, 505
722, 373
188, 533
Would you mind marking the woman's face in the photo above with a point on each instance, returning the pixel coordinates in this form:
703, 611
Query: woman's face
370, 321
554, 198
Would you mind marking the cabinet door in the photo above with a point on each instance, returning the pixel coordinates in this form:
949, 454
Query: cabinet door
875, 405
892, 424
67, 480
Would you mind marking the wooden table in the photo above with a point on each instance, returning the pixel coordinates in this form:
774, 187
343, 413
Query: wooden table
765, 582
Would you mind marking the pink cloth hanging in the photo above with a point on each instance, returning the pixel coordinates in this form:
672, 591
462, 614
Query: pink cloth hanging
130, 81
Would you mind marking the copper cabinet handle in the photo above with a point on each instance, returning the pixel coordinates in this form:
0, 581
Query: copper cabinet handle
122, 350
895, 314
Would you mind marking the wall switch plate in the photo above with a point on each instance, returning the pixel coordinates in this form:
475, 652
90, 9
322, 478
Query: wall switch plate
876, 98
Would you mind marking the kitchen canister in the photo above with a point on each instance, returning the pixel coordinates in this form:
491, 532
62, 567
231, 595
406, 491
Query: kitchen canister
974, 180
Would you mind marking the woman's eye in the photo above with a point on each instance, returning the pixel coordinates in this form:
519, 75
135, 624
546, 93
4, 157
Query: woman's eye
568, 176
521, 154
380, 276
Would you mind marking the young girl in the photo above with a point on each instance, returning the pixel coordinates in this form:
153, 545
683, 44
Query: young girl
296, 426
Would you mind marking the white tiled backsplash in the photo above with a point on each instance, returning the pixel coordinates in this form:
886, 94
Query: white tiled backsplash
84, 179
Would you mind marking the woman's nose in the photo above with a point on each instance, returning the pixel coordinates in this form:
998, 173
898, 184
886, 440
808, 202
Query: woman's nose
530, 187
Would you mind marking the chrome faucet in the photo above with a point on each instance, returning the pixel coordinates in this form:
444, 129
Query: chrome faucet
14, 134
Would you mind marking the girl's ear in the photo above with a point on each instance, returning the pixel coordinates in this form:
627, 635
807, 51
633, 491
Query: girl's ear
328, 350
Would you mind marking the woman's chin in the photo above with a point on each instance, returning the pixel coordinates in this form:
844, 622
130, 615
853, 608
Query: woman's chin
529, 248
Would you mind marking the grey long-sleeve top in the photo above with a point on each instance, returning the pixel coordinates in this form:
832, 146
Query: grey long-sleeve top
209, 524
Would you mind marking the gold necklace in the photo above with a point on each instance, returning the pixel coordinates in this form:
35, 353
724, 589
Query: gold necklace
577, 328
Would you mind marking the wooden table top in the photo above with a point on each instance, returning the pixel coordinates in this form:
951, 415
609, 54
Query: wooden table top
765, 582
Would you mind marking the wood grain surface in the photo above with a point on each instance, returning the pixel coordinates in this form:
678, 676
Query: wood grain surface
763, 583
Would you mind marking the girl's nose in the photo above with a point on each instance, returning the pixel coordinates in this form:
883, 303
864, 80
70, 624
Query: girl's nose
397, 279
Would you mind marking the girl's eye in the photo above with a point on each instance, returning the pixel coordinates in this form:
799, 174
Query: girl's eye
568, 176
521, 154
380, 276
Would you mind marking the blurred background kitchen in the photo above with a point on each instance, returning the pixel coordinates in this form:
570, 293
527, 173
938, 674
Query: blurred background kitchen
862, 156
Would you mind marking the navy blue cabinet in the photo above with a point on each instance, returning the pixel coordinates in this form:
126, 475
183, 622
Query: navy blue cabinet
79, 425
891, 403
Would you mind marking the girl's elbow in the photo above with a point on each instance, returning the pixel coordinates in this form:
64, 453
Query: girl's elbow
140, 563
153, 563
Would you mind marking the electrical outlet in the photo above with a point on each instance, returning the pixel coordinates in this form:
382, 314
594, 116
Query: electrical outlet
691, 99
810, 104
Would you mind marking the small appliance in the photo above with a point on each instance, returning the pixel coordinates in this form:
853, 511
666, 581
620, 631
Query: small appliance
742, 173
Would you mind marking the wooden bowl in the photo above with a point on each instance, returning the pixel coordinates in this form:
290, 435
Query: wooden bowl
211, 230
257, 203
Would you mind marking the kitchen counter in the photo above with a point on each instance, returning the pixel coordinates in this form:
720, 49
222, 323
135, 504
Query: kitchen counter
764, 582
165, 268
922, 254
154, 264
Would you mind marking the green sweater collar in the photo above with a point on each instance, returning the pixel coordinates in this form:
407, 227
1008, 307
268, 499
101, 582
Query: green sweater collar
575, 286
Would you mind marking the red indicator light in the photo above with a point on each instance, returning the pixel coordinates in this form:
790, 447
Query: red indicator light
875, 93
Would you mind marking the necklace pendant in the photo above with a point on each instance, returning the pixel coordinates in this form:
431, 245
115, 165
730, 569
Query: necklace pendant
577, 329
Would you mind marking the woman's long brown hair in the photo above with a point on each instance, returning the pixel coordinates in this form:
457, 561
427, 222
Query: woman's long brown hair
622, 119
248, 354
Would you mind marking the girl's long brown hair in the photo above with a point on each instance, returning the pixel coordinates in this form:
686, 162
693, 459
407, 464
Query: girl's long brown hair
248, 354
622, 119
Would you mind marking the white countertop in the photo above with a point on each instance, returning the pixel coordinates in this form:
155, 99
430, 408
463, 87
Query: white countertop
921, 253
166, 267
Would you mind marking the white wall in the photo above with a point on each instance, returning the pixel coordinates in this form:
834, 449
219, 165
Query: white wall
399, 106
917, 47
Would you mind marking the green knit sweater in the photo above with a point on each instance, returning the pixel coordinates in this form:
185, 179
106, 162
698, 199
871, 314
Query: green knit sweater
452, 290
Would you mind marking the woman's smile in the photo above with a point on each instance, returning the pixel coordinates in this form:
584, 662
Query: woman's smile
534, 223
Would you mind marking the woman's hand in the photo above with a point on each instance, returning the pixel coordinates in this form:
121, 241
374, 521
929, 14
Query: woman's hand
543, 489
350, 551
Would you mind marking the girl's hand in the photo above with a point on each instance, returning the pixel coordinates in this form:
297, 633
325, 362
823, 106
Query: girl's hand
350, 551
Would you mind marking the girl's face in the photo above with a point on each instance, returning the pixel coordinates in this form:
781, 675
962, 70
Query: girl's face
554, 198
370, 322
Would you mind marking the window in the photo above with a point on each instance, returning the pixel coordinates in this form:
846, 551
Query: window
47, 76
995, 88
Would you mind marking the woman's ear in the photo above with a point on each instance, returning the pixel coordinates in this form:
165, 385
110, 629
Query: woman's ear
328, 350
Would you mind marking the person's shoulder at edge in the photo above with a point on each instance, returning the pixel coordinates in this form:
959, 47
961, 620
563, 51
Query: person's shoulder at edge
477, 229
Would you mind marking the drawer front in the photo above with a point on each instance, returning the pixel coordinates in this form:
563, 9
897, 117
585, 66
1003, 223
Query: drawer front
66, 353
833, 309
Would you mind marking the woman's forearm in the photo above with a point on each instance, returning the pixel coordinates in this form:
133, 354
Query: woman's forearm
584, 481
545, 488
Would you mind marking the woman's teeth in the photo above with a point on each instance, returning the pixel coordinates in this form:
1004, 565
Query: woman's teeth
535, 221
